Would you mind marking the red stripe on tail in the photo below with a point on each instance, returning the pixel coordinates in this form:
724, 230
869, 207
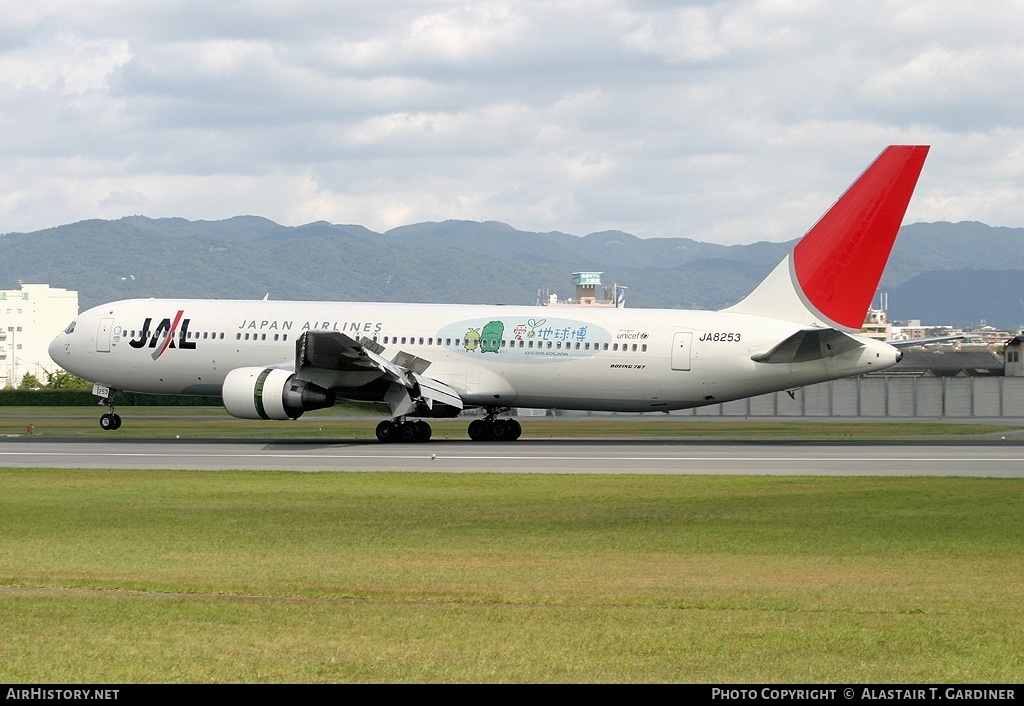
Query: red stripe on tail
840, 261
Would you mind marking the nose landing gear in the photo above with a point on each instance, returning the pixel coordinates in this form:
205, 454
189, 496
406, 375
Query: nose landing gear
110, 421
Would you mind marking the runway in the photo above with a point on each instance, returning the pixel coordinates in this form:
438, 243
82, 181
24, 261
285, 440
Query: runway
974, 459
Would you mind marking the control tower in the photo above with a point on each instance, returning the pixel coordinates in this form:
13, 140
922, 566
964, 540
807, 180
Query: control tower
589, 292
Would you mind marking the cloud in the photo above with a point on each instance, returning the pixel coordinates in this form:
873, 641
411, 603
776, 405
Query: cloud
729, 122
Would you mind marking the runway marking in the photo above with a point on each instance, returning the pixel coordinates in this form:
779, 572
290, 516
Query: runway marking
574, 457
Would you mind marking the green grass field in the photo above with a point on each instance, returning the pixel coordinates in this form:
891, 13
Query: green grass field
183, 576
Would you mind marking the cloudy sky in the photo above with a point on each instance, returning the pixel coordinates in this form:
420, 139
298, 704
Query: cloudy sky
726, 122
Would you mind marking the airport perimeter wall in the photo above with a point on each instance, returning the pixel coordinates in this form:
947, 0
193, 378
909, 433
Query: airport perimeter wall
884, 397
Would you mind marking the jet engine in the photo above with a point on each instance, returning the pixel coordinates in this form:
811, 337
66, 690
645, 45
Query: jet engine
271, 393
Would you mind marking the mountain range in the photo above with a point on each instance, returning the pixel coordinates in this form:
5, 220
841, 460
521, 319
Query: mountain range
940, 273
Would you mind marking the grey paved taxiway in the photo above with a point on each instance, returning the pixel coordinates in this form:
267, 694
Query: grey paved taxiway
980, 459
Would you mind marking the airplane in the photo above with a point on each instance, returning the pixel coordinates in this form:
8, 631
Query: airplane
275, 360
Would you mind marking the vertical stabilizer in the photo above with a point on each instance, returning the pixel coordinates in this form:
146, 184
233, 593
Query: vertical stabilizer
831, 275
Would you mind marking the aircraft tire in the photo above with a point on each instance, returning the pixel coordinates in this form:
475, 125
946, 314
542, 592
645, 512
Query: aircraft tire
500, 430
408, 432
515, 429
479, 430
387, 432
107, 422
423, 430
117, 422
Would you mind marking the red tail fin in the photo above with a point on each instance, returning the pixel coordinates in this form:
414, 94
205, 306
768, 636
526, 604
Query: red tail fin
840, 261
831, 275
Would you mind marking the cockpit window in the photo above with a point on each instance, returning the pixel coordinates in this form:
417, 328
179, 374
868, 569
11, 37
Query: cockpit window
71, 327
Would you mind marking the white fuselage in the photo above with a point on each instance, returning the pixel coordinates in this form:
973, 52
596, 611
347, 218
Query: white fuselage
582, 358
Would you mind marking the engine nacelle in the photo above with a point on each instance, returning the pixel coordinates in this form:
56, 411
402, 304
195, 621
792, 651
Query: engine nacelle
271, 393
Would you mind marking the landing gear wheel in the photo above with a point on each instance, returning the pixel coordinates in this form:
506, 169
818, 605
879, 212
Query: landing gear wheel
423, 429
493, 429
479, 430
408, 432
387, 431
110, 422
390, 431
500, 430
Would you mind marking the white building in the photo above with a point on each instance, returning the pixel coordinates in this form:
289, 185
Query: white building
877, 326
29, 319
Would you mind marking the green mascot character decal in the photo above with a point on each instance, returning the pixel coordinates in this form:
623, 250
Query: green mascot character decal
490, 337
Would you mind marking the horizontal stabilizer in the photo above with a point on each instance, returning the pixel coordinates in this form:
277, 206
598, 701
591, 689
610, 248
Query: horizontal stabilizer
809, 344
910, 343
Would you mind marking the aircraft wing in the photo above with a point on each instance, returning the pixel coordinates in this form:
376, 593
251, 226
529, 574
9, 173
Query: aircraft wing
406, 387
809, 344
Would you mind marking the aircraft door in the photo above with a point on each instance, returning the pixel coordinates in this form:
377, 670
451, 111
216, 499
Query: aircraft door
682, 343
103, 335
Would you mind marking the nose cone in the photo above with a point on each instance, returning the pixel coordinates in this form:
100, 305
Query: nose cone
60, 348
55, 348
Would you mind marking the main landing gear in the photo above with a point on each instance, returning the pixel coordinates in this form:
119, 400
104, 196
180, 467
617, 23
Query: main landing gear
110, 421
404, 430
491, 428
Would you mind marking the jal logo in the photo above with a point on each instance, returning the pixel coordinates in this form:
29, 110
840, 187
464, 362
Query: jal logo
162, 337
